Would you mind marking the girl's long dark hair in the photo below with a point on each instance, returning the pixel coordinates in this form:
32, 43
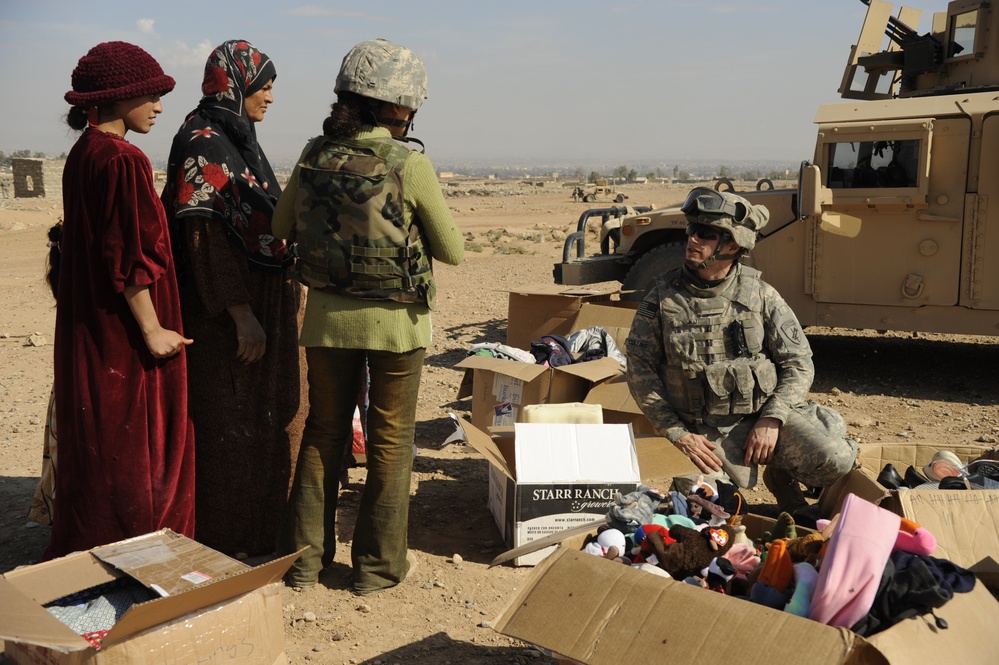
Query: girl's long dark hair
349, 114
54, 258
77, 118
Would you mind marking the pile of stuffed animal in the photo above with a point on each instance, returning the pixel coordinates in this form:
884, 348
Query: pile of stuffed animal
866, 569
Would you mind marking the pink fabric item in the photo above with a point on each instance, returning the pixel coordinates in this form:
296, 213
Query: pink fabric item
855, 559
743, 556
920, 542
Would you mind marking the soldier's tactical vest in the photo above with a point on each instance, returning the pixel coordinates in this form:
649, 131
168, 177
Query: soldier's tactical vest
351, 232
715, 363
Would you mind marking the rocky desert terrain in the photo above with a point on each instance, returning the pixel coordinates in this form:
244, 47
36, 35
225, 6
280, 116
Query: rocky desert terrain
934, 389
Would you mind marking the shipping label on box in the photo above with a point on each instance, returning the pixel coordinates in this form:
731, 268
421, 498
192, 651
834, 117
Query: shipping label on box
508, 389
504, 415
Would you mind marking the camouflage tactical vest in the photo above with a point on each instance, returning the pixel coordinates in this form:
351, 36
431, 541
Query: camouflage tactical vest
351, 232
715, 365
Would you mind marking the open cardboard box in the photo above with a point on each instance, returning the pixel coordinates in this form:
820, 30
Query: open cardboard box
549, 477
501, 388
544, 479
964, 522
546, 309
212, 607
590, 610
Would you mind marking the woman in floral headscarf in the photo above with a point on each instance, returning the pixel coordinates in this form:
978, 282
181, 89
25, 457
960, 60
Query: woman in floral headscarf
239, 303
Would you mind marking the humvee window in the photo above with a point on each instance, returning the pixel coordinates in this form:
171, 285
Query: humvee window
862, 164
962, 34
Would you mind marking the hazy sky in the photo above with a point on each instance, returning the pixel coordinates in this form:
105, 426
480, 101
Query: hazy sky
510, 81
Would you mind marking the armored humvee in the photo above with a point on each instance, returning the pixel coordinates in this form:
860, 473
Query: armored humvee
599, 191
894, 224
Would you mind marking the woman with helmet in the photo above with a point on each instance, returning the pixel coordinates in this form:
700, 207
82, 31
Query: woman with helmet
239, 301
126, 444
369, 217
720, 366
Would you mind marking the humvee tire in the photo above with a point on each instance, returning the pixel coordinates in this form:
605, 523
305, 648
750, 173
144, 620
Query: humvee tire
619, 198
651, 264
588, 198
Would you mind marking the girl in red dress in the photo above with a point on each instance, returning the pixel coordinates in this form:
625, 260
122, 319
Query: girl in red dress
126, 443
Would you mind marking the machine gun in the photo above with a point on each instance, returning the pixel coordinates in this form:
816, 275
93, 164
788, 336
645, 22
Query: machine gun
917, 54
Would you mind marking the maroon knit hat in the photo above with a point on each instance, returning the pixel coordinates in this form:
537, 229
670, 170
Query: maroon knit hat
114, 71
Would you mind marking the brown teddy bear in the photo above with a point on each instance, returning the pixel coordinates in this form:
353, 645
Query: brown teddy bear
693, 550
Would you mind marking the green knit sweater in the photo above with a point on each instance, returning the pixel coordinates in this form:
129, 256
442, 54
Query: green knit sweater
379, 325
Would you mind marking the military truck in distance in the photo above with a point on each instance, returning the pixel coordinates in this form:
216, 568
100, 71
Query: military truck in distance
599, 191
892, 225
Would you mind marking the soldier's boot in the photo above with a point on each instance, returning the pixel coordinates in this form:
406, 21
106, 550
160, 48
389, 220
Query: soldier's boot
785, 489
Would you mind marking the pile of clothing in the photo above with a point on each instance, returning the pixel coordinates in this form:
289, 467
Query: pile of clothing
556, 350
866, 569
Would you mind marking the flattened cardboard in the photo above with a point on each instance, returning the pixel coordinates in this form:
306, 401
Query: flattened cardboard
160, 560
660, 461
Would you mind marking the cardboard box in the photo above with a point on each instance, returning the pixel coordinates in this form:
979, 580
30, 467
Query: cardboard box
964, 522
614, 316
529, 500
546, 309
598, 612
212, 608
549, 477
501, 388
614, 396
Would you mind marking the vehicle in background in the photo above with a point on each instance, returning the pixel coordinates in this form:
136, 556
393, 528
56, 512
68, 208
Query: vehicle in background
890, 226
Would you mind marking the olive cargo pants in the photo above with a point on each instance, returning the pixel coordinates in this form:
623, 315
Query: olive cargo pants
380, 540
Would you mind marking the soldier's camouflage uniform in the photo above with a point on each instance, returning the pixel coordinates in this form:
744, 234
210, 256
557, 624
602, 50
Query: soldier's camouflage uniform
713, 360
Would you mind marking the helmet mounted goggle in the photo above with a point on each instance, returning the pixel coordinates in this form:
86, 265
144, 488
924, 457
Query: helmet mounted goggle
704, 201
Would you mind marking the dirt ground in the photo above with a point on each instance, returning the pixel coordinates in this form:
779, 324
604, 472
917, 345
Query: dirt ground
934, 389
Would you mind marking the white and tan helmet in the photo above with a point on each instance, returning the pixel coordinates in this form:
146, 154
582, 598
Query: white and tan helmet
380, 69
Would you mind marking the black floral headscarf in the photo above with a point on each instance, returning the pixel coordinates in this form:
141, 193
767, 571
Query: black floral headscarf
217, 169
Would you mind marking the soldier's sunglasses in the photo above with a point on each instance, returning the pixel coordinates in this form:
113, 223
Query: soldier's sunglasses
704, 232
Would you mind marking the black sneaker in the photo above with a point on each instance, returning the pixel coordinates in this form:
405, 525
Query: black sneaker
984, 467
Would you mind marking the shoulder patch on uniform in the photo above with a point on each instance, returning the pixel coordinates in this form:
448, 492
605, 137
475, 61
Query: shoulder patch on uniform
792, 331
647, 309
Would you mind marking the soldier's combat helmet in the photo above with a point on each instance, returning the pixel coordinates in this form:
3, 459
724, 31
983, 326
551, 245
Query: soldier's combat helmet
380, 69
726, 211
